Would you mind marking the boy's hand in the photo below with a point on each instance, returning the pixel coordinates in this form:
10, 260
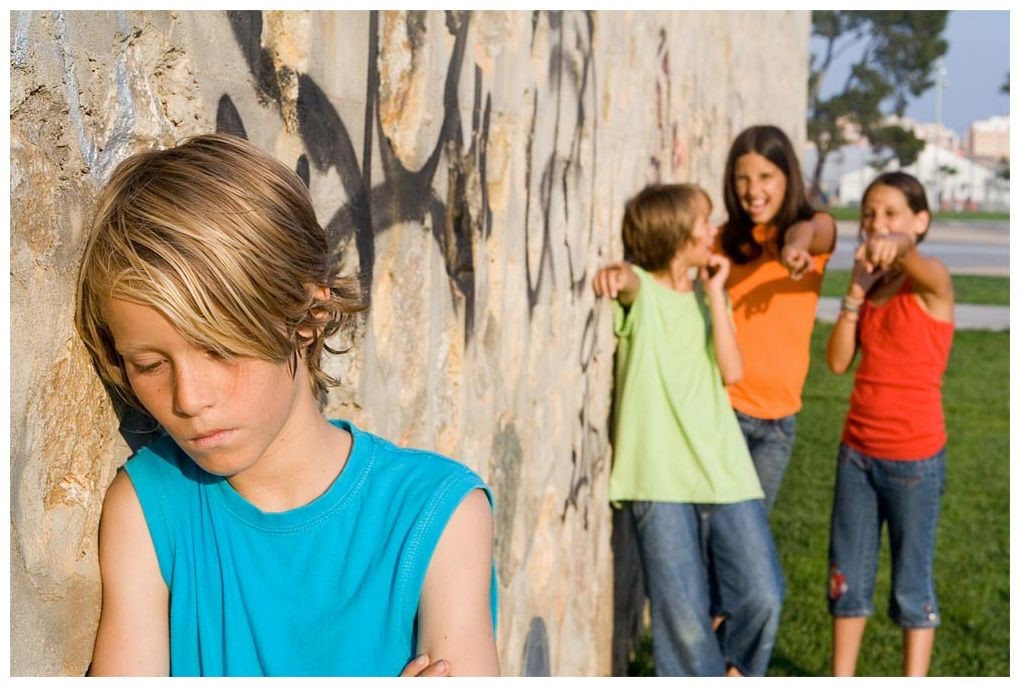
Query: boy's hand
714, 274
612, 279
423, 666
796, 260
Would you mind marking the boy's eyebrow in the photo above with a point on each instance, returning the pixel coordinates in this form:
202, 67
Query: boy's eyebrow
133, 348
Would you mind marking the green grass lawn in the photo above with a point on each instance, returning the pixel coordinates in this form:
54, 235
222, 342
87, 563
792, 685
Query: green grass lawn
972, 559
854, 213
969, 288
972, 555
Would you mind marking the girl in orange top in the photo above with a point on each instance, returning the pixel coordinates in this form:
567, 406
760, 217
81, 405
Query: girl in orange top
778, 244
898, 311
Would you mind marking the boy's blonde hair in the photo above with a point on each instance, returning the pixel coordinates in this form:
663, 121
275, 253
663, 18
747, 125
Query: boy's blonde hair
658, 222
222, 240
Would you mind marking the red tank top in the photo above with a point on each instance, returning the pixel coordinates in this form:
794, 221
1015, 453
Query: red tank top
896, 405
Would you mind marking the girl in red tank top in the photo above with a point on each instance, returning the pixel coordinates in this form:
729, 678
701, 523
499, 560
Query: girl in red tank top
898, 311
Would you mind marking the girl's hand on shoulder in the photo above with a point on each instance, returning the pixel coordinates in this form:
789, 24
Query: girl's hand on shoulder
424, 666
796, 260
714, 274
614, 280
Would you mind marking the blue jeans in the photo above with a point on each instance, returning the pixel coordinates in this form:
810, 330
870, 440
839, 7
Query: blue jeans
680, 543
906, 495
771, 444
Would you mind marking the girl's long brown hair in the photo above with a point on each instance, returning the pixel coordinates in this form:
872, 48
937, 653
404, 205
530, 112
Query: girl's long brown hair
771, 143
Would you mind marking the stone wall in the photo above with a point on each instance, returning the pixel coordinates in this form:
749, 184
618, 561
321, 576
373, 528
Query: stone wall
471, 167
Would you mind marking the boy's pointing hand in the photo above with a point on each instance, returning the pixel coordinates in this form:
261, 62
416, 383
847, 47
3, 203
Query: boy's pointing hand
612, 280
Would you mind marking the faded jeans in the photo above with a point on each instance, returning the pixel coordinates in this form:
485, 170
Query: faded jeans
680, 543
771, 444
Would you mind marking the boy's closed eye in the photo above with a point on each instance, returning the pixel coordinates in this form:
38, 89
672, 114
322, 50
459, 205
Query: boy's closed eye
145, 367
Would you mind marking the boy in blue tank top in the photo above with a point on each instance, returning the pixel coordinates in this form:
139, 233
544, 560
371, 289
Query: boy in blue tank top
258, 537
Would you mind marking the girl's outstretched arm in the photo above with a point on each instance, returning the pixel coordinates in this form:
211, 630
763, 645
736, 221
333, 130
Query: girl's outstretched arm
134, 633
724, 336
841, 347
929, 277
454, 621
842, 344
808, 237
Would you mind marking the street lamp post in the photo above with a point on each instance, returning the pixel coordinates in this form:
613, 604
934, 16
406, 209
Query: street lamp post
940, 81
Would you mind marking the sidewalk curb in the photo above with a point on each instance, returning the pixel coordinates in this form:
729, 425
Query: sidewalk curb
968, 316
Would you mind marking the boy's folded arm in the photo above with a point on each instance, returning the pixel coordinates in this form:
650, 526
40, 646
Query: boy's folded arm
133, 636
454, 620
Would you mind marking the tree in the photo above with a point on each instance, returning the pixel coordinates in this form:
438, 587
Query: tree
893, 142
898, 53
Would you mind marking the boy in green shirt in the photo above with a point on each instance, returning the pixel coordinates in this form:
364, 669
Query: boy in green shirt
680, 462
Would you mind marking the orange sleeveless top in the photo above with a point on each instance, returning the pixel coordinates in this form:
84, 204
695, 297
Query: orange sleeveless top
896, 406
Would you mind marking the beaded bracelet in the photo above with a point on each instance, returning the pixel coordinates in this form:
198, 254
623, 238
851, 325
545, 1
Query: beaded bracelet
852, 305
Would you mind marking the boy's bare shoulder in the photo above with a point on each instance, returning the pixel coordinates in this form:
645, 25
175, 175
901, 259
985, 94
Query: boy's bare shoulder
121, 496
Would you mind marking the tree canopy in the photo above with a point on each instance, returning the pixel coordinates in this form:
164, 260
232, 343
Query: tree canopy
898, 53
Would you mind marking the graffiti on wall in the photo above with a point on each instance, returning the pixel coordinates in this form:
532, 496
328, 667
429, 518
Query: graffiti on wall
555, 181
402, 195
560, 182
671, 155
588, 457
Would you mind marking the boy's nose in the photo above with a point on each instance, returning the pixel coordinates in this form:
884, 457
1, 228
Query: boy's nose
192, 391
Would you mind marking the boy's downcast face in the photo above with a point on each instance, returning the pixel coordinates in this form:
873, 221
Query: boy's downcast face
223, 412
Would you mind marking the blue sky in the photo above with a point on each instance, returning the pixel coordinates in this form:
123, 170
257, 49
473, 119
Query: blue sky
977, 62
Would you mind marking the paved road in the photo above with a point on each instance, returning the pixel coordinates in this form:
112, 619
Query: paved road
966, 248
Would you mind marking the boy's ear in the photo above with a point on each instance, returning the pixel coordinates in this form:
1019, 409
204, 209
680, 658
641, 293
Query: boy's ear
321, 294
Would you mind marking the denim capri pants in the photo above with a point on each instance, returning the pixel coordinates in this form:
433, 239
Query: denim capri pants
906, 495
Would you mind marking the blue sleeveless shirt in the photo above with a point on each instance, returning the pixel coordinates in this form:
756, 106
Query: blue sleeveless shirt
329, 588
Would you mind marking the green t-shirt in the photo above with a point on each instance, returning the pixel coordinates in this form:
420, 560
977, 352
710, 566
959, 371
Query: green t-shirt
675, 435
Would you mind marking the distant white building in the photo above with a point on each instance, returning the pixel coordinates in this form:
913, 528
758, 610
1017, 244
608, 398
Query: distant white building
964, 183
988, 139
844, 160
